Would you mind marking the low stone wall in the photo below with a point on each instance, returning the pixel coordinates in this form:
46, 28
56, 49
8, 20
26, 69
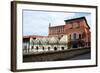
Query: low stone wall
55, 56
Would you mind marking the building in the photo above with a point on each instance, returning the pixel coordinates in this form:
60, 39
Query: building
40, 44
75, 33
77, 30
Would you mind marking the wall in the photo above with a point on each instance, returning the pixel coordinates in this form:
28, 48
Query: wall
5, 38
57, 55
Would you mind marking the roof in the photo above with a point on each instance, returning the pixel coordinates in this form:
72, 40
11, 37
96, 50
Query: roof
54, 40
78, 19
64, 39
56, 26
35, 36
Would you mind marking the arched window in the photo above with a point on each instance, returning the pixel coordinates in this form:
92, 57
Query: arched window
43, 48
55, 48
80, 36
48, 48
37, 48
62, 48
74, 35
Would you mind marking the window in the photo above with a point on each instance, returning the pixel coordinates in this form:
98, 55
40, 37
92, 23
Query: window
70, 37
74, 35
48, 48
78, 26
34, 38
37, 48
43, 48
32, 47
62, 48
80, 36
83, 35
55, 48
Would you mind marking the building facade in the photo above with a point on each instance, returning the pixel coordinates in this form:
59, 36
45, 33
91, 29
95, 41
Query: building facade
77, 30
37, 44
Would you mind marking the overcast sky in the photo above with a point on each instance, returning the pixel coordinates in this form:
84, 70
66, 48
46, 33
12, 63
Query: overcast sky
37, 22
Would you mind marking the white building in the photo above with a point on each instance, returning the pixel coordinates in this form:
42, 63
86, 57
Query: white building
45, 44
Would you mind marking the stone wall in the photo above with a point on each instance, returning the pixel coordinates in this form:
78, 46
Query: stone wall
55, 56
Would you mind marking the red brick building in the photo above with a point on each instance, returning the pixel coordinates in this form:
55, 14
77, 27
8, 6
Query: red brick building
77, 30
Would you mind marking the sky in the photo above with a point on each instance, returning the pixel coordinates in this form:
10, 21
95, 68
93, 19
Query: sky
37, 22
